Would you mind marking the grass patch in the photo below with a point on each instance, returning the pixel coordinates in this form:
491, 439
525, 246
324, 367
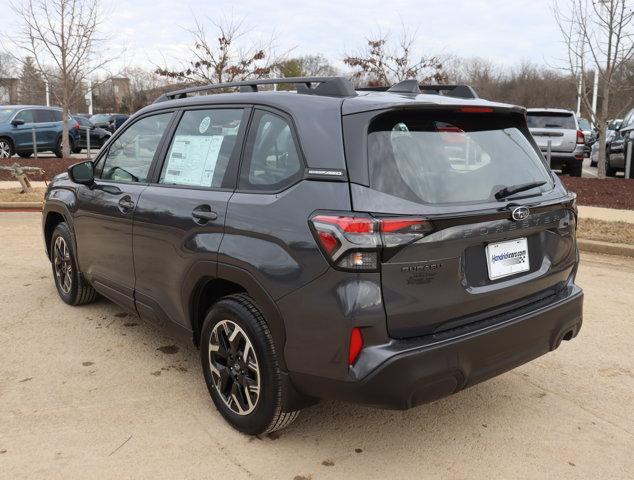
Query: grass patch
14, 195
615, 232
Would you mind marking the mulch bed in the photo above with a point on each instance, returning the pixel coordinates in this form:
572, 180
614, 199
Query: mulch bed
51, 167
609, 192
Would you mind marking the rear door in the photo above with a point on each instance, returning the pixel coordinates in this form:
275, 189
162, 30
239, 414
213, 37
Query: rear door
105, 211
23, 134
180, 217
558, 128
469, 257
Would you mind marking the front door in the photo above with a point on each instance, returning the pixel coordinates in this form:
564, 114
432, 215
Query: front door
105, 211
179, 219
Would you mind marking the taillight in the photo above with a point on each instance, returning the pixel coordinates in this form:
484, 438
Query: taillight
77, 127
354, 241
581, 138
356, 345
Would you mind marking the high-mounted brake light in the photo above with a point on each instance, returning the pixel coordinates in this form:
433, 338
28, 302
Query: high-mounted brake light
476, 110
354, 241
356, 345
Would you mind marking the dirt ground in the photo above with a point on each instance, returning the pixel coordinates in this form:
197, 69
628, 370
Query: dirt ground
90, 392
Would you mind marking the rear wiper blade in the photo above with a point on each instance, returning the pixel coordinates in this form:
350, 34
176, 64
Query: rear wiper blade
508, 191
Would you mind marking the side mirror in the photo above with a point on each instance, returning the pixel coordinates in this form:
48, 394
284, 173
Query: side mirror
82, 173
17, 122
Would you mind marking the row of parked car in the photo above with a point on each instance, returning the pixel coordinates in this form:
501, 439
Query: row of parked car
24, 127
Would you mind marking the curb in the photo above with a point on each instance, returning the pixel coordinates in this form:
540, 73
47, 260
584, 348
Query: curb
606, 248
21, 206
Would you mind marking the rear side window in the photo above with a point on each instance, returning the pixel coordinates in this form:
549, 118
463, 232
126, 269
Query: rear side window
443, 157
551, 120
44, 116
202, 147
272, 159
130, 156
56, 115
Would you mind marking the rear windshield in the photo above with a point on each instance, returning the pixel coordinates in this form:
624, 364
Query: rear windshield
551, 120
438, 158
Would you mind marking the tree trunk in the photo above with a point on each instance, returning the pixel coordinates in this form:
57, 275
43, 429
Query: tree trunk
65, 136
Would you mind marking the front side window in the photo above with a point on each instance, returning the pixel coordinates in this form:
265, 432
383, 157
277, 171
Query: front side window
273, 159
26, 116
436, 158
130, 156
202, 147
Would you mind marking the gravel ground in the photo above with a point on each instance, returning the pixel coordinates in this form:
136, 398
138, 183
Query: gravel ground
92, 393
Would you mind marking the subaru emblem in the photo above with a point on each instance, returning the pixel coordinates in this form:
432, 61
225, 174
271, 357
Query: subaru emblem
520, 213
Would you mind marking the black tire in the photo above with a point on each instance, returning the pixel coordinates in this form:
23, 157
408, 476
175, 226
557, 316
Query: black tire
268, 411
25, 154
575, 169
59, 152
6, 148
76, 291
609, 171
77, 150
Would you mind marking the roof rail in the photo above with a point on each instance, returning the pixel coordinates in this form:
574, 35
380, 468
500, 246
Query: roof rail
327, 86
407, 86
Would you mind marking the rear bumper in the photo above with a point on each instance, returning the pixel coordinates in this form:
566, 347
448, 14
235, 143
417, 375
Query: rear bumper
417, 371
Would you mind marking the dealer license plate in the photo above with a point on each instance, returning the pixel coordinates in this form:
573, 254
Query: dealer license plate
507, 258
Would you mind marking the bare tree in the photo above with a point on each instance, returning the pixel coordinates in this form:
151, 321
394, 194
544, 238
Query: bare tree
223, 58
598, 36
7, 65
62, 37
382, 62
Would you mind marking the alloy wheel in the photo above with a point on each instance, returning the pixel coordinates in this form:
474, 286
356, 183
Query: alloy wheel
63, 265
5, 149
234, 367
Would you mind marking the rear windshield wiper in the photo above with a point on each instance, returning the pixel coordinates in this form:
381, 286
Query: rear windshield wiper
508, 191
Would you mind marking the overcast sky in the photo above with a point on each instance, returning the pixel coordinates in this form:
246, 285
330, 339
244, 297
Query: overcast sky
506, 32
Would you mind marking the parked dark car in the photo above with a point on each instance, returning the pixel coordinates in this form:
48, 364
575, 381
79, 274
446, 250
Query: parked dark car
383, 247
98, 136
616, 158
611, 134
109, 121
19, 123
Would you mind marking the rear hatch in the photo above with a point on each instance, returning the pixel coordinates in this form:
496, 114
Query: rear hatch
468, 256
557, 127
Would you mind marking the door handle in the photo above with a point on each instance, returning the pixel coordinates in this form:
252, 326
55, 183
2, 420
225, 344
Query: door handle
126, 204
204, 214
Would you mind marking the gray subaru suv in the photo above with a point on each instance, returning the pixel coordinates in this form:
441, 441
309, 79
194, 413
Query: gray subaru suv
385, 246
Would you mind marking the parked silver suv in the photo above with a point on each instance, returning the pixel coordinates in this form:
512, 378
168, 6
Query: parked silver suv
560, 128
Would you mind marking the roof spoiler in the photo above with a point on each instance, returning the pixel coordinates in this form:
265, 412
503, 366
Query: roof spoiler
413, 87
326, 86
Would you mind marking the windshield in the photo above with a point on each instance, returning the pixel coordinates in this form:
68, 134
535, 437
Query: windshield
584, 124
6, 114
437, 158
551, 120
101, 118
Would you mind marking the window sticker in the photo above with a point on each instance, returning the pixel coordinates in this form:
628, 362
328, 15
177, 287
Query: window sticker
193, 159
204, 125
